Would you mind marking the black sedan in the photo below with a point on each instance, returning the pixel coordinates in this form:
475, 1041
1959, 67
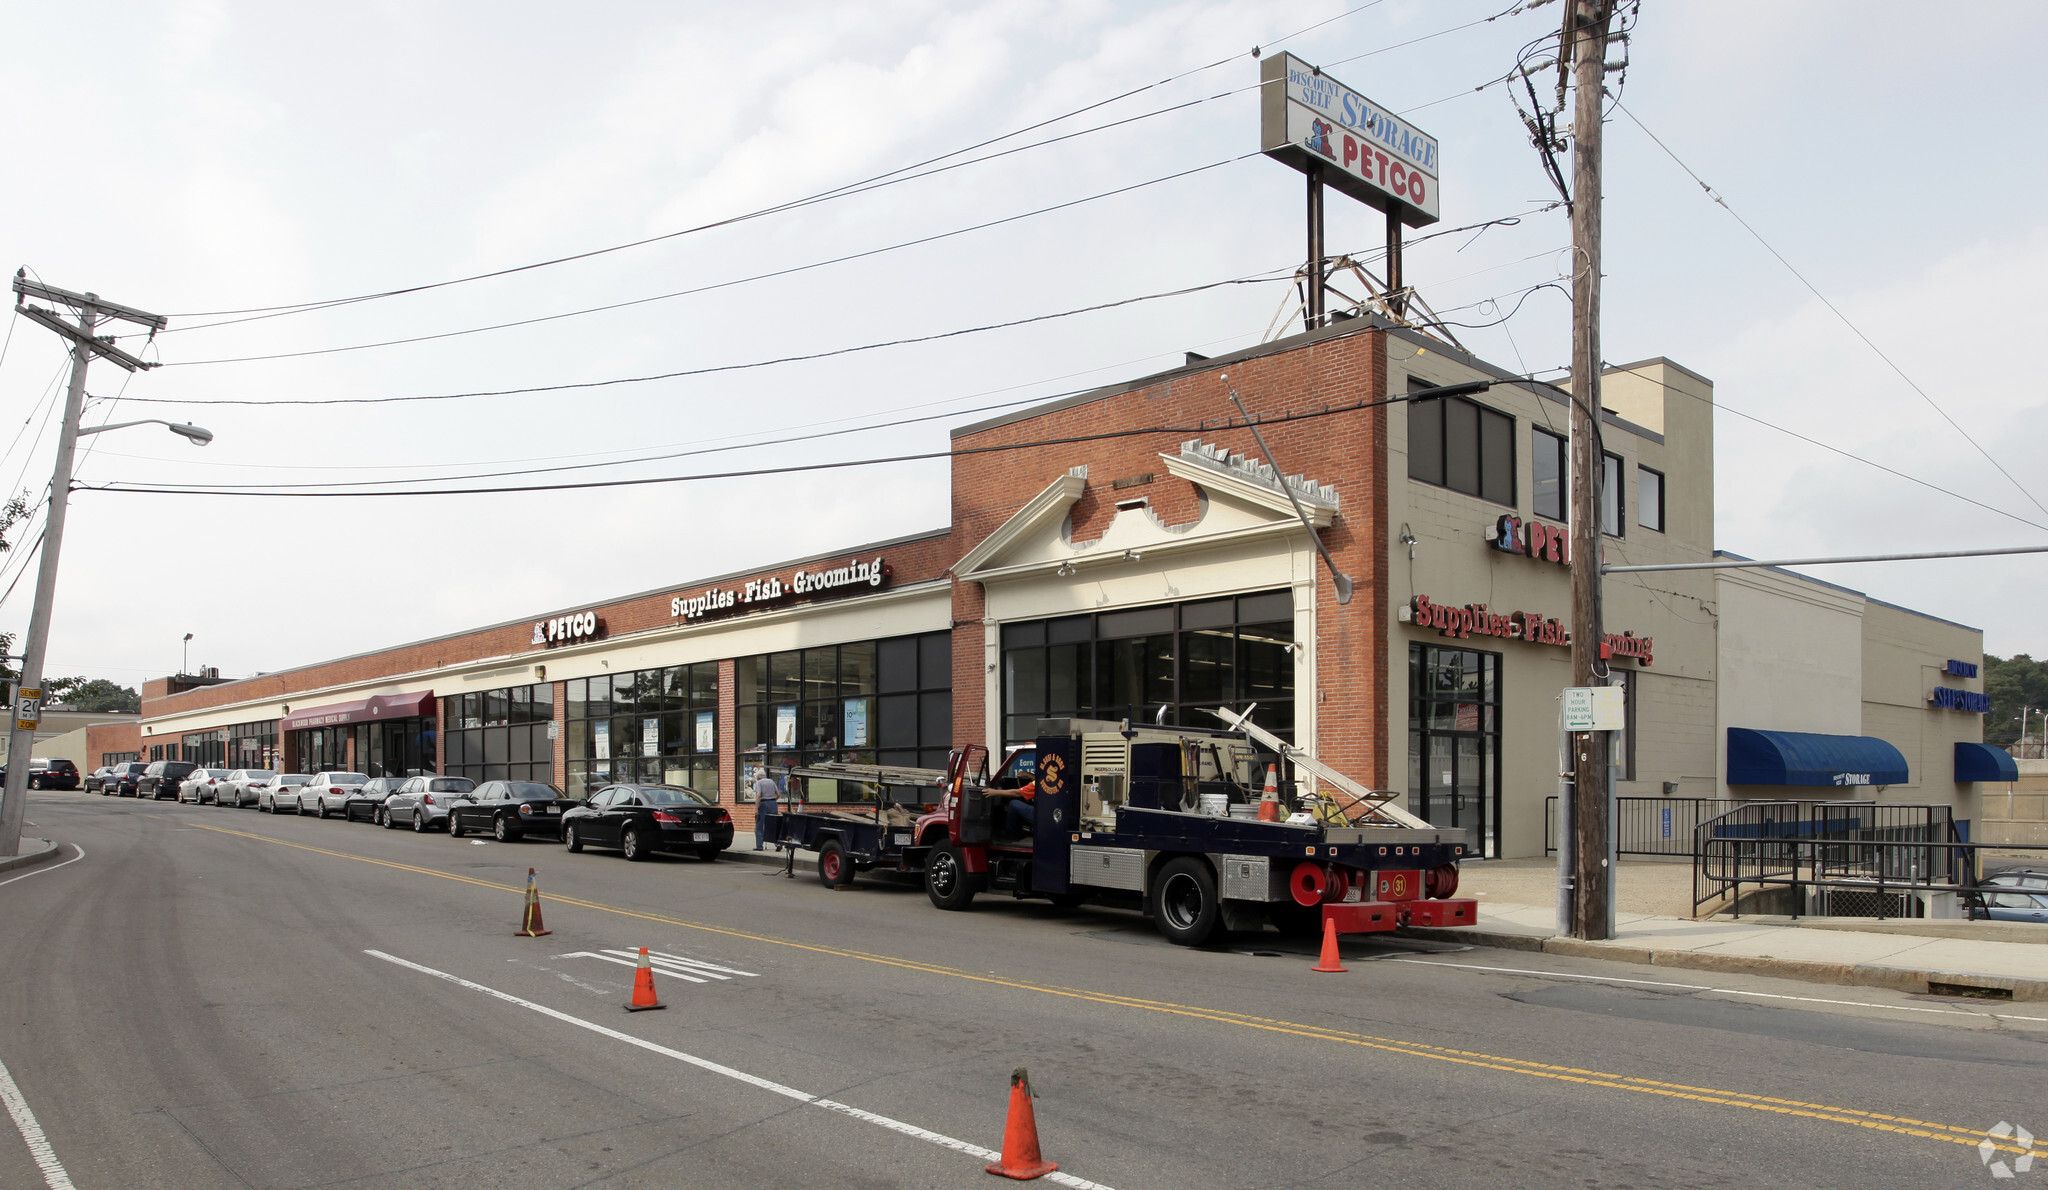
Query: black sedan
121, 782
640, 820
509, 810
365, 805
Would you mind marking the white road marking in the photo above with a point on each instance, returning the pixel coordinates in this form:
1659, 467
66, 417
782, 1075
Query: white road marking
38, 1145
632, 962
752, 1080
1696, 987
50, 868
696, 965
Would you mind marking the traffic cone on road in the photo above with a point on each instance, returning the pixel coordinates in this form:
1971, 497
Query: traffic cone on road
529, 921
643, 987
1269, 805
1330, 964
1020, 1135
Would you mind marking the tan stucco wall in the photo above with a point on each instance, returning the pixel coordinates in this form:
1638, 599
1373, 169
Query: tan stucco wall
1903, 656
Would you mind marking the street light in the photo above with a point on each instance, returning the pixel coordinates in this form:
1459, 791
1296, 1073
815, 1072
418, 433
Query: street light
90, 309
185, 666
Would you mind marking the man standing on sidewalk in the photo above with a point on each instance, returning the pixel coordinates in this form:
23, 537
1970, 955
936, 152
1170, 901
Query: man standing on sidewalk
765, 793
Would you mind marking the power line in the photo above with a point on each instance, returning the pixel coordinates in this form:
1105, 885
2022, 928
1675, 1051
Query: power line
1832, 308
704, 371
768, 276
874, 182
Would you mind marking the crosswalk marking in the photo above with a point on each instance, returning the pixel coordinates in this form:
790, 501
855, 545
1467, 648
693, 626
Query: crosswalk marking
671, 966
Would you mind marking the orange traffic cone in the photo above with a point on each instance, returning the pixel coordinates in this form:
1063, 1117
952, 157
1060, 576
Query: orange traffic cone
529, 921
643, 987
1020, 1135
1269, 805
1330, 964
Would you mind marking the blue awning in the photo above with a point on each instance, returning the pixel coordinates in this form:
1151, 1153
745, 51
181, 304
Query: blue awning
1982, 762
1804, 758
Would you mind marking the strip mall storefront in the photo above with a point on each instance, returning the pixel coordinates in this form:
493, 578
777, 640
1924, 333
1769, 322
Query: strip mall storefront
1126, 553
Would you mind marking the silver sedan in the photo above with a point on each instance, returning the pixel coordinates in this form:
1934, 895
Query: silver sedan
422, 802
281, 791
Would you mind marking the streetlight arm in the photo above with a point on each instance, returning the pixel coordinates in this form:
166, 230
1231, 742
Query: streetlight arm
199, 435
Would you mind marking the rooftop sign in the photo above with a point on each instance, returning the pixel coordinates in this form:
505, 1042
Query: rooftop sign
1311, 121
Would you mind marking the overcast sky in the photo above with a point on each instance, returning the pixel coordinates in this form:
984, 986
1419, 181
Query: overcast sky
194, 157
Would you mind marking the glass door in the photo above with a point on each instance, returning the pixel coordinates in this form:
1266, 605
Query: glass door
1454, 742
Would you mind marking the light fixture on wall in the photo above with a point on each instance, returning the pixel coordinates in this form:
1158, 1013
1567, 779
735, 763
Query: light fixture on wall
1066, 570
540, 672
1132, 556
1408, 539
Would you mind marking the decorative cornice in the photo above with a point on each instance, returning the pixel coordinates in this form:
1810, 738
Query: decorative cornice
1054, 501
1221, 471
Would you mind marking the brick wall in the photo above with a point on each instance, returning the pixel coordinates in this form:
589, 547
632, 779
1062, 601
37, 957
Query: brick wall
1347, 449
102, 738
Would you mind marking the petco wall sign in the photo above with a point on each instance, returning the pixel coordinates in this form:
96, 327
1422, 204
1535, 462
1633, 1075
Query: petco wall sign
1476, 619
761, 594
1545, 543
563, 629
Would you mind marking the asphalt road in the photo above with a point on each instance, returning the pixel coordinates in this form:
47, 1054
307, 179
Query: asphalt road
218, 998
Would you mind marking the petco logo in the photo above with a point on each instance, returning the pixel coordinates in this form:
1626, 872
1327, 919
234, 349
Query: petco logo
2020, 1141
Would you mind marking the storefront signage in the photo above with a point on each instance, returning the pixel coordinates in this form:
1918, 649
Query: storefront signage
1961, 669
705, 728
1476, 619
563, 629
1545, 543
1960, 700
1310, 121
854, 578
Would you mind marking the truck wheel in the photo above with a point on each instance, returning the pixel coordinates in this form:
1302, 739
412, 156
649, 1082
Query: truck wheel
834, 869
1184, 902
947, 881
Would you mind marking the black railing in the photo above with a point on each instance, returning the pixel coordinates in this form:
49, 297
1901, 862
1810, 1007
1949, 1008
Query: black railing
1856, 859
1647, 825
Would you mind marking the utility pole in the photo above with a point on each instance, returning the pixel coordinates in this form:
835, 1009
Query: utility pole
27, 711
1584, 45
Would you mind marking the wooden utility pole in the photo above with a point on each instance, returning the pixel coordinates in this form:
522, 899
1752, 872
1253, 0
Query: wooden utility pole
1585, 42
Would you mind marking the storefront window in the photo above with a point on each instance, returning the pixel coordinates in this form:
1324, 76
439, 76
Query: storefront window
497, 735
659, 726
396, 747
869, 702
1186, 657
252, 746
1454, 742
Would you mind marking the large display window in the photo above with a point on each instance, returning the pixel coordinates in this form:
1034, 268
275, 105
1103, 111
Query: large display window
500, 735
658, 726
1185, 657
870, 702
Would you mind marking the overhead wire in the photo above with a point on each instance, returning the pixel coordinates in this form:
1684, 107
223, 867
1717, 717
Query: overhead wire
891, 177
1723, 203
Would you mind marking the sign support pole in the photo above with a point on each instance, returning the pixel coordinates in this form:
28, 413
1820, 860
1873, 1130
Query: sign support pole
1397, 301
1312, 314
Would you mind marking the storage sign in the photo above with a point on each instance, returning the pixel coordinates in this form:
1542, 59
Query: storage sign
1312, 122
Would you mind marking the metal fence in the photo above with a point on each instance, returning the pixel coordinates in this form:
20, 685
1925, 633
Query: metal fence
1861, 858
1648, 825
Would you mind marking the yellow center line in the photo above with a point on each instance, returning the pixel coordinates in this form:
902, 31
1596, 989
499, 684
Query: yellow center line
1878, 1121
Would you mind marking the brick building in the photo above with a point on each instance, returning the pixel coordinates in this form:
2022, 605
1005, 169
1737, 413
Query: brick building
1122, 553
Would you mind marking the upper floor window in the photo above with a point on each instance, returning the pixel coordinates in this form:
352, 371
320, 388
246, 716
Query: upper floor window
1650, 499
1613, 501
1549, 454
1461, 445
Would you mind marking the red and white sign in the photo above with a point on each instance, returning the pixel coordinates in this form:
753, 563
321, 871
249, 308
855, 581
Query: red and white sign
1309, 120
1476, 619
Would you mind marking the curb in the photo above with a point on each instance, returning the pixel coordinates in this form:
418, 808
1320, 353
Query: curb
767, 859
34, 851
1904, 979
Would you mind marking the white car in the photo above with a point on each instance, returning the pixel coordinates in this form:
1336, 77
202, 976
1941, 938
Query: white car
328, 793
280, 791
239, 789
201, 786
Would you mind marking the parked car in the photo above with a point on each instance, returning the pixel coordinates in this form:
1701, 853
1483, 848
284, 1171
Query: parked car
162, 778
280, 791
240, 786
2034, 878
509, 810
53, 772
202, 787
96, 780
328, 793
365, 805
125, 777
2016, 904
640, 820
422, 803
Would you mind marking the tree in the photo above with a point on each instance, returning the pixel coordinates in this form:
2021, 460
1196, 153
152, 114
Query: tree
2014, 683
91, 694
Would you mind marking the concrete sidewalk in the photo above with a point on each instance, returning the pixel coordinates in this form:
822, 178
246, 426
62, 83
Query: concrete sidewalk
1834, 952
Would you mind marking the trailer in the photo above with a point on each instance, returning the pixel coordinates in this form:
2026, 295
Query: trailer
858, 818
1175, 821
